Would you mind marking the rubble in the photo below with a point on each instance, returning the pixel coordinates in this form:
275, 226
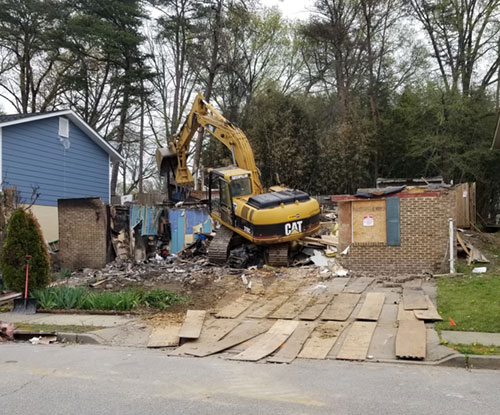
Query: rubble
6, 332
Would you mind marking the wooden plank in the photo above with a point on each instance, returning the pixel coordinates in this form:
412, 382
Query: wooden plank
193, 322
269, 342
313, 311
213, 332
341, 307
241, 333
237, 307
358, 285
338, 284
430, 314
414, 299
357, 342
369, 222
293, 306
462, 244
9, 297
405, 314
411, 340
344, 220
269, 306
289, 351
371, 307
164, 336
322, 340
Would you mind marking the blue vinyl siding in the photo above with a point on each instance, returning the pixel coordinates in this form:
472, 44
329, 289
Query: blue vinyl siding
34, 156
393, 222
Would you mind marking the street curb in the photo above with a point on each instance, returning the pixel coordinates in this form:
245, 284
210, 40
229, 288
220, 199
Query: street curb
455, 360
484, 362
80, 338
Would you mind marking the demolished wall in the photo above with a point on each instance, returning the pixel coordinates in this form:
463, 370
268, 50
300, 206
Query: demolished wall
424, 237
83, 233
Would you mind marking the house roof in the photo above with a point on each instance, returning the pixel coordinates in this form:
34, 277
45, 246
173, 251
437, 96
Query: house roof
7, 120
496, 137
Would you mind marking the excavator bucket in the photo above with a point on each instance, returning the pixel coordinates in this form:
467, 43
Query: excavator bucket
166, 160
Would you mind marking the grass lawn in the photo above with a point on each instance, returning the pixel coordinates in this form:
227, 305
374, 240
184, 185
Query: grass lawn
48, 328
475, 348
473, 302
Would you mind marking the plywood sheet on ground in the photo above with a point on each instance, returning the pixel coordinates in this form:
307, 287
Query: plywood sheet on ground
237, 307
405, 314
193, 322
211, 333
289, 351
322, 340
358, 285
336, 285
241, 333
292, 307
411, 340
371, 307
430, 314
269, 342
312, 312
357, 341
270, 305
164, 336
414, 299
341, 307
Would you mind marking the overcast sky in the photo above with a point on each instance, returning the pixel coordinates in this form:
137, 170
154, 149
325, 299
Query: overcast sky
293, 9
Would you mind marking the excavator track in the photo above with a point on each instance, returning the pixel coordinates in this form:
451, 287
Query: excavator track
217, 250
277, 255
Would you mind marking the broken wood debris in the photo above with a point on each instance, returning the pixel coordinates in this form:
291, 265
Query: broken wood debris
430, 314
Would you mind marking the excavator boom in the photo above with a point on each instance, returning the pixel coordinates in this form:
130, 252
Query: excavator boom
203, 115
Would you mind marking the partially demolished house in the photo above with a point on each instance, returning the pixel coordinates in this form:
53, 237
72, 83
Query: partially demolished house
400, 226
51, 156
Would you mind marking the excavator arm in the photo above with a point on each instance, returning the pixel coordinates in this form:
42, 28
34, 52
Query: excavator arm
204, 115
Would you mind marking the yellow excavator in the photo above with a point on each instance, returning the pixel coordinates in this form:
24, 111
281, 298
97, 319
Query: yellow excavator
237, 198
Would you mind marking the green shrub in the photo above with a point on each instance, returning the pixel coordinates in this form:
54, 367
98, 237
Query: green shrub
24, 237
161, 299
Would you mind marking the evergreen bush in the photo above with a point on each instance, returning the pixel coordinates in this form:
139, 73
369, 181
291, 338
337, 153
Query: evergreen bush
24, 237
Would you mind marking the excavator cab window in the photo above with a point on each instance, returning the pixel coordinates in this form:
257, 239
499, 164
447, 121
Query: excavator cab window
241, 187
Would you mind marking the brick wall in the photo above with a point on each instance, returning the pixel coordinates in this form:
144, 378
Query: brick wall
424, 239
82, 233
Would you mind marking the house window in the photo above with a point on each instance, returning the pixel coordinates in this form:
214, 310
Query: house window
63, 127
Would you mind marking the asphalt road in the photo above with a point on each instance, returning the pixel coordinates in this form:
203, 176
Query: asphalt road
97, 380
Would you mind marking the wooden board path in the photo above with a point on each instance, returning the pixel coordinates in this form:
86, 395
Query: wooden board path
269, 342
411, 340
358, 285
237, 307
313, 311
357, 342
341, 307
336, 285
269, 306
193, 322
371, 307
430, 314
243, 332
292, 307
165, 336
414, 299
289, 351
211, 333
405, 314
322, 339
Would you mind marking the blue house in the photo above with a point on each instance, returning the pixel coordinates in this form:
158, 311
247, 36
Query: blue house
57, 155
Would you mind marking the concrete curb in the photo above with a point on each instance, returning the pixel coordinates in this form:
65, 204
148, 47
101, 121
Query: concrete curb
484, 362
80, 338
455, 360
